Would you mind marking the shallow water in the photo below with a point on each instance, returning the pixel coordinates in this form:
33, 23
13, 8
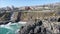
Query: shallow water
10, 28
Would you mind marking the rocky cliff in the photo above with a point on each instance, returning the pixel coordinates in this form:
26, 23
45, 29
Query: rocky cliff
16, 14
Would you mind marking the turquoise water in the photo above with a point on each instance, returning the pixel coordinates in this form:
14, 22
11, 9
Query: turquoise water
11, 28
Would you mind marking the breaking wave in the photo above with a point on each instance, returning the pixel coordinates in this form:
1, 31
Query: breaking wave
11, 28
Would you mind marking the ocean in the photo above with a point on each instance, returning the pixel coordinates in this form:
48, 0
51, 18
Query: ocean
11, 28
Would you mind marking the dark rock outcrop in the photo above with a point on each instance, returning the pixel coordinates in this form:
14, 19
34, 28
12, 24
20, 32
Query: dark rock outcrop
59, 20
41, 27
32, 29
4, 22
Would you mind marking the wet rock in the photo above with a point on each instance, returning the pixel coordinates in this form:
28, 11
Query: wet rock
1, 23
4, 23
59, 20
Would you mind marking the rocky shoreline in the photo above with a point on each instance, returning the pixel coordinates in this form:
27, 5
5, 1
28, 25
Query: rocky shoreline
41, 27
48, 18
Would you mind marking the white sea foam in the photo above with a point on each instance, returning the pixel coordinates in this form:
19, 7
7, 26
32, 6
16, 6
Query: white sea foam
22, 22
2, 25
6, 26
14, 23
17, 31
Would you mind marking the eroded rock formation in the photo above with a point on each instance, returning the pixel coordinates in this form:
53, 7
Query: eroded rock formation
41, 27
